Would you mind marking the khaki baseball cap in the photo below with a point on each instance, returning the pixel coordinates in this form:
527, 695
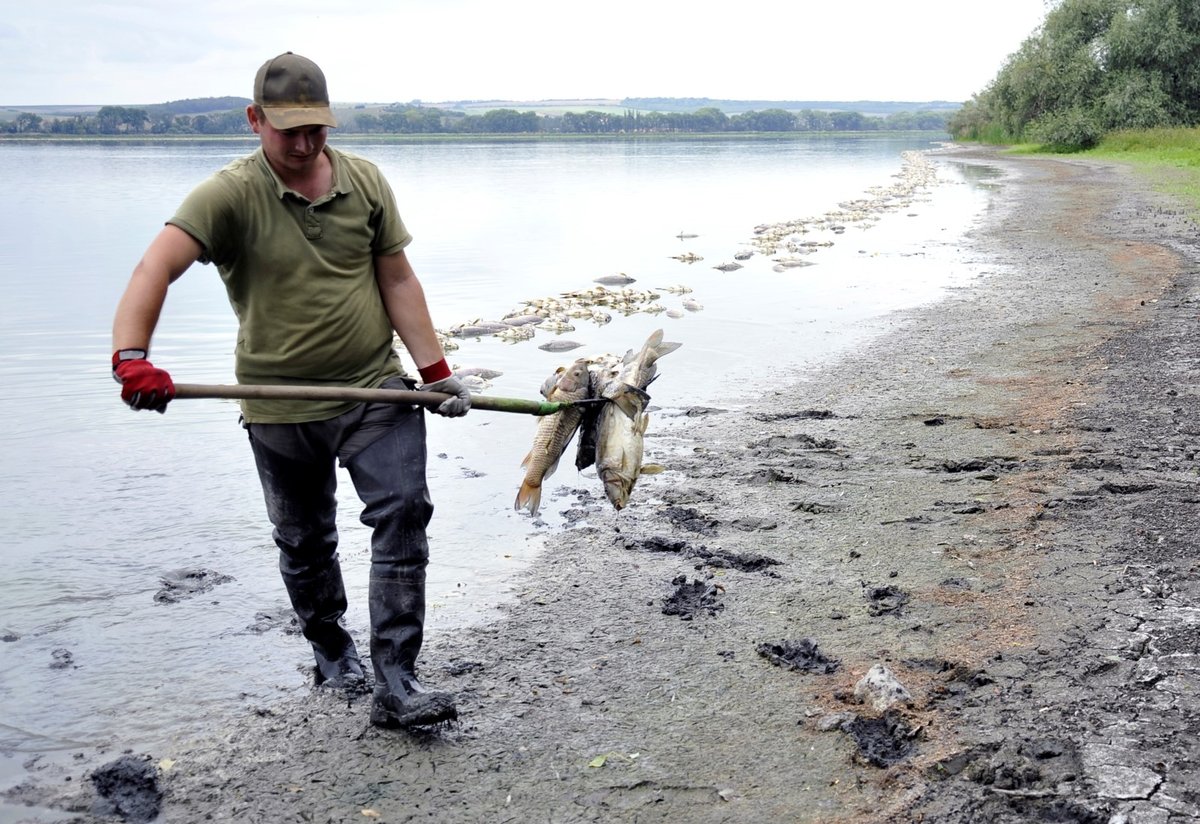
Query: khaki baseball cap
291, 90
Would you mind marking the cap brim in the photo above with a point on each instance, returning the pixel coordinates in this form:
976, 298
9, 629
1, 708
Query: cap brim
294, 118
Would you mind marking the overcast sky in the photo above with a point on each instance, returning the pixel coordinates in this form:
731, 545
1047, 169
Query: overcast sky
130, 52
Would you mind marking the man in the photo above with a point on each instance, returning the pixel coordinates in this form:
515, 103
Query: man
311, 249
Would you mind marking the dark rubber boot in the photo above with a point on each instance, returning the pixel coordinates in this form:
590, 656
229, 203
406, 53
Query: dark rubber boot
302, 506
389, 476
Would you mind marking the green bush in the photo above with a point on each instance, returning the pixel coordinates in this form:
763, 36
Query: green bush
1068, 130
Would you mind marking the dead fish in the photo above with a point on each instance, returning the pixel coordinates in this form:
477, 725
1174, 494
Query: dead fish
477, 329
517, 333
556, 326
619, 279
480, 371
554, 432
523, 320
559, 346
743, 255
792, 262
692, 305
475, 384
688, 257
686, 236
728, 267
620, 426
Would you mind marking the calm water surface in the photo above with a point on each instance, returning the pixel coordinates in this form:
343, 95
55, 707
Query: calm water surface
103, 503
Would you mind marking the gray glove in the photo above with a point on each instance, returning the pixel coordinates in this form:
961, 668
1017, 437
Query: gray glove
456, 406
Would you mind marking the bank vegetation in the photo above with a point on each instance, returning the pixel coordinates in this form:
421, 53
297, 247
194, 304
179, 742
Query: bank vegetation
202, 117
1093, 68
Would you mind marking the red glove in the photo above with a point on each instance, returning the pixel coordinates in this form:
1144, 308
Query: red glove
143, 385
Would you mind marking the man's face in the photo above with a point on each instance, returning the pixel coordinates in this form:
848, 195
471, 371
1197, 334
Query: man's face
293, 151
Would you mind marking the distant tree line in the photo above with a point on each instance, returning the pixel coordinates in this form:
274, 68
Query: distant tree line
1093, 67
416, 119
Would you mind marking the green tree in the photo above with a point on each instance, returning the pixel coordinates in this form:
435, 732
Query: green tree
28, 122
1094, 66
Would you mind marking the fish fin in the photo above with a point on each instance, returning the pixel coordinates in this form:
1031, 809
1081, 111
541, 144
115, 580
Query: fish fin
526, 459
630, 400
667, 347
652, 469
528, 497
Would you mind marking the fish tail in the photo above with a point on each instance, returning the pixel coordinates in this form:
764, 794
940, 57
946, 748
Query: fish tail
529, 496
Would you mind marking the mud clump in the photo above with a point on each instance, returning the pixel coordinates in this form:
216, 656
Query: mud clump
188, 583
884, 741
742, 562
691, 520
128, 788
690, 600
804, 655
885, 600
657, 543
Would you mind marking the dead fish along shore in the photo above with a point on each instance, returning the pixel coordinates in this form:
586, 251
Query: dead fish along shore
612, 433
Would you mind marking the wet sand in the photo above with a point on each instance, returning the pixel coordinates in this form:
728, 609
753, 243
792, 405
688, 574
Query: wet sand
993, 502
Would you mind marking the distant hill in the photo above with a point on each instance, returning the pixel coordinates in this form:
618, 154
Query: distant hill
880, 107
691, 104
209, 105
198, 105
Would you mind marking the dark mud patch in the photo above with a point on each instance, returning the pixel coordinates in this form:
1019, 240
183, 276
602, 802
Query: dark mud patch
62, 658
723, 559
815, 507
693, 521
715, 558
187, 583
1092, 462
796, 441
690, 600
885, 600
658, 543
752, 523
128, 788
804, 656
284, 620
802, 415
883, 741
769, 476
701, 411
992, 463
1117, 488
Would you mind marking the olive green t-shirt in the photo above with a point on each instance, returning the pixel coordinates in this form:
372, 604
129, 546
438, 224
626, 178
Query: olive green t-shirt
301, 277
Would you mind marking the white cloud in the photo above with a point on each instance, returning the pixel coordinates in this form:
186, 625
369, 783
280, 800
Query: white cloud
141, 51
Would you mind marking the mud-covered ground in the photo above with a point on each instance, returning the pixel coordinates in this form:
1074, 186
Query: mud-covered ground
992, 508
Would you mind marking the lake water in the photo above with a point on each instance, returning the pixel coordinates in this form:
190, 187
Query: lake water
103, 503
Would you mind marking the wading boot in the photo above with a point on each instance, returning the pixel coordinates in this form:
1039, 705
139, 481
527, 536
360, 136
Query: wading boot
389, 477
299, 488
320, 601
397, 619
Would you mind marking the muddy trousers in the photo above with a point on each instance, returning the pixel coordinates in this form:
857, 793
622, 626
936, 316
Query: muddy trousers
383, 448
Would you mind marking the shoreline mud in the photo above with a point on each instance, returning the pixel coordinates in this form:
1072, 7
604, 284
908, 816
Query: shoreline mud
949, 578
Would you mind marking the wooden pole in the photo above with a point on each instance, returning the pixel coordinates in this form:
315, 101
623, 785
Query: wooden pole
350, 393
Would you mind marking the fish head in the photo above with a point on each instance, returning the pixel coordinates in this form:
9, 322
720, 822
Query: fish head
617, 487
573, 379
